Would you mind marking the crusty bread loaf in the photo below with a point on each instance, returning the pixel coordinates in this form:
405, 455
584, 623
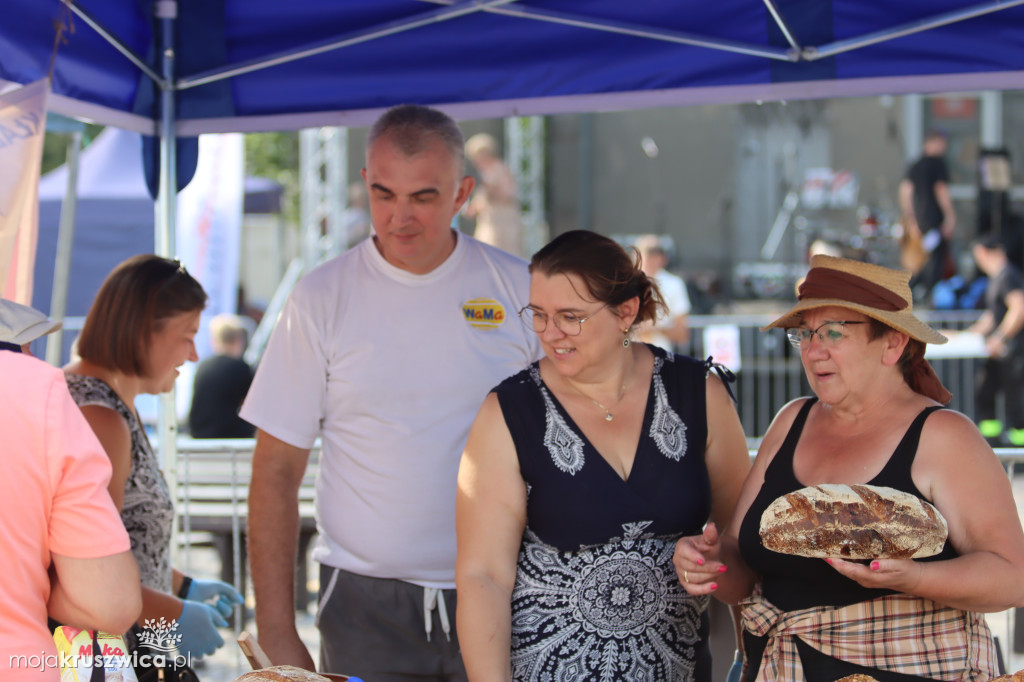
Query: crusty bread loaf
857, 678
853, 522
281, 673
1015, 677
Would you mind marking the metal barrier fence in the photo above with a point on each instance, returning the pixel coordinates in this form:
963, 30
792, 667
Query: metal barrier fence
771, 375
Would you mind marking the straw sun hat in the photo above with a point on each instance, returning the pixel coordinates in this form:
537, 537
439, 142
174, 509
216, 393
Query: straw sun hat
880, 293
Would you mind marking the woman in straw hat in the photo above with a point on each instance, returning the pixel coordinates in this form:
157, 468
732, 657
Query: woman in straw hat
877, 419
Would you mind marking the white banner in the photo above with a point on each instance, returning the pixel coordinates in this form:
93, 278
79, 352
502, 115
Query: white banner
22, 127
722, 342
210, 225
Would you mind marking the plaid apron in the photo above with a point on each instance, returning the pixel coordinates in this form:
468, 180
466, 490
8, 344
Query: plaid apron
897, 633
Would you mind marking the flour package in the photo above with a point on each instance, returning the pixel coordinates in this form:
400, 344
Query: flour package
80, 656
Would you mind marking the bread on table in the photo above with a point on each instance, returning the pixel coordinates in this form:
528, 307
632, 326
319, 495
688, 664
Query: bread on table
857, 678
853, 522
1015, 677
281, 673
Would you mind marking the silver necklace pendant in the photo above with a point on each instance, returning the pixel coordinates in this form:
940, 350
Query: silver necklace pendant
608, 416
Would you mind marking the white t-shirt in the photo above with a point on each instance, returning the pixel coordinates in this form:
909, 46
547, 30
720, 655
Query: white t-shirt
673, 292
391, 368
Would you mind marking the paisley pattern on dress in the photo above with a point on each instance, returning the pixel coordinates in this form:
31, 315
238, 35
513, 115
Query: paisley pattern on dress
565, 446
147, 511
667, 430
614, 611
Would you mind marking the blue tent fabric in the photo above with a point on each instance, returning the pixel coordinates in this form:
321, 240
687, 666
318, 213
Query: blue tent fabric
484, 58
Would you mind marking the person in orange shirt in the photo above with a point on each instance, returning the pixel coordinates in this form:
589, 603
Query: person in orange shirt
66, 552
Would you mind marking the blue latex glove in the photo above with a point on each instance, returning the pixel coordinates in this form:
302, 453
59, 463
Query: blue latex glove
737, 668
220, 595
197, 626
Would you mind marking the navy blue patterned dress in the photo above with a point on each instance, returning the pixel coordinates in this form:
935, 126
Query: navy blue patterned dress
596, 595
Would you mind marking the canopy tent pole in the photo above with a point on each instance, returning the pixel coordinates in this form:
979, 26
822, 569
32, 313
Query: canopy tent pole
62, 263
386, 29
117, 44
841, 46
165, 241
782, 24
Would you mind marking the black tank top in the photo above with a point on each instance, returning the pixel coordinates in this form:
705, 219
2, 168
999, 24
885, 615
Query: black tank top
792, 582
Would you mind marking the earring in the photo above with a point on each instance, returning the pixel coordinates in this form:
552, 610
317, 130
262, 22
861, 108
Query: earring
625, 341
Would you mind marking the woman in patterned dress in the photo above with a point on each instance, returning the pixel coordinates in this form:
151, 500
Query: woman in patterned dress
139, 330
580, 474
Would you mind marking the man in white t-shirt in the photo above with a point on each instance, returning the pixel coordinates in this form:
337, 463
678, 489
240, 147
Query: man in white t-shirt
672, 329
386, 353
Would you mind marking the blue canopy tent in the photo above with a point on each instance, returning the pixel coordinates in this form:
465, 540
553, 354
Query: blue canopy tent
268, 65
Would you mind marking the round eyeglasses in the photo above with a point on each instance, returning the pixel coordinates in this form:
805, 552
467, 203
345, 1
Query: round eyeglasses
829, 333
567, 323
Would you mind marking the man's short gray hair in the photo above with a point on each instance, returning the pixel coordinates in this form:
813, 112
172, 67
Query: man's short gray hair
413, 127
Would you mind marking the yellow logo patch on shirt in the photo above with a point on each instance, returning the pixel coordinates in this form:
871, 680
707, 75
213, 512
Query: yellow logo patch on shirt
483, 313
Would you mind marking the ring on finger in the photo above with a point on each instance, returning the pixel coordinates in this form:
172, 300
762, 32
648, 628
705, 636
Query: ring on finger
686, 577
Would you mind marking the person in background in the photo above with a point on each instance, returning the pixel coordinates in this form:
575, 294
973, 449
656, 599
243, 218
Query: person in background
140, 328
877, 418
384, 352
495, 205
580, 474
671, 330
1001, 325
221, 383
927, 210
66, 554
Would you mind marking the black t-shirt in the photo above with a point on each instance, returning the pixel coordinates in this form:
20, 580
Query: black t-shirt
220, 387
924, 174
999, 287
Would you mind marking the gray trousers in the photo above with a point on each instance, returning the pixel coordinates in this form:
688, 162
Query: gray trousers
377, 629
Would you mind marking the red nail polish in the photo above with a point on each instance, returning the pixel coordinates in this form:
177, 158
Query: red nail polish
700, 561
723, 569
713, 586
874, 565
828, 561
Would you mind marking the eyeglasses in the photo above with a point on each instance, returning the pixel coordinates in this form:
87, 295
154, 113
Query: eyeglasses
830, 333
567, 323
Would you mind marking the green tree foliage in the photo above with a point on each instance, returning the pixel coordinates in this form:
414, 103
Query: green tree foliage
55, 146
276, 156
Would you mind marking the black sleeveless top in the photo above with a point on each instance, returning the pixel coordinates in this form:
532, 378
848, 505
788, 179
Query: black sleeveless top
792, 582
596, 594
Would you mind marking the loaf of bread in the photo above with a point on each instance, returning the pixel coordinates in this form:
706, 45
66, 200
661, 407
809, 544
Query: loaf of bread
281, 673
857, 678
1015, 677
853, 522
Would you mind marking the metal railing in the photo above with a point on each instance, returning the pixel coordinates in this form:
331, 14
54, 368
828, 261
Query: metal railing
771, 374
